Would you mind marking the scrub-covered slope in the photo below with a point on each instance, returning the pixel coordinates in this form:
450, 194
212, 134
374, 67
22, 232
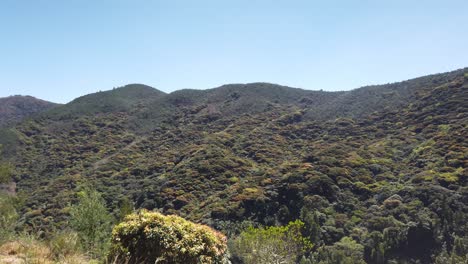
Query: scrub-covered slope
383, 165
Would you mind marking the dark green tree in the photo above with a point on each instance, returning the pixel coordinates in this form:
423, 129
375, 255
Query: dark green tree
311, 225
126, 208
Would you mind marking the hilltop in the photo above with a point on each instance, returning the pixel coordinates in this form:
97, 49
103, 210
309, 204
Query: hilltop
16, 108
121, 99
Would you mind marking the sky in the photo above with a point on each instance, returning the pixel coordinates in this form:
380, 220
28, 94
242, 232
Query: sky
59, 50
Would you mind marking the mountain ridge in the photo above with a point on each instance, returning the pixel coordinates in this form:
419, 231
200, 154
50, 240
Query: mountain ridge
142, 91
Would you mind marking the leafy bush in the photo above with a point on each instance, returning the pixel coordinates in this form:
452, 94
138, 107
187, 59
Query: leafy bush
150, 237
8, 217
5, 173
126, 208
91, 220
459, 253
345, 251
283, 244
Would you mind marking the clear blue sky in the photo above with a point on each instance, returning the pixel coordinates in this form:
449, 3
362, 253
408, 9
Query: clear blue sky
58, 50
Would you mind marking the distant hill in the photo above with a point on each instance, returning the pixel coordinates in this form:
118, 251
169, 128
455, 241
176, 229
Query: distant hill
16, 108
120, 99
385, 165
148, 108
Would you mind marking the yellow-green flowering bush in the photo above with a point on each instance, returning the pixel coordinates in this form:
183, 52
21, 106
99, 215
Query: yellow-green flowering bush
151, 237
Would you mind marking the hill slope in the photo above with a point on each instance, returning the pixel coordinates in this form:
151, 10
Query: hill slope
380, 163
15, 108
120, 99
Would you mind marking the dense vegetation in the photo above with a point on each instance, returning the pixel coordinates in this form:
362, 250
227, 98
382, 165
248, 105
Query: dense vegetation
376, 175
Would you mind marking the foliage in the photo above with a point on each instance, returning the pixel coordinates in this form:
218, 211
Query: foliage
8, 217
382, 165
91, 220
311, 228
459, 253
5, 173
126, 208
346, 251
275, 244
150, 237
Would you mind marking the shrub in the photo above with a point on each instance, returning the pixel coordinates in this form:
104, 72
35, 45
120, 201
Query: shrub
5, 170
459, 253
284, 244
8, 217
5, 173
345, 251
450, 177
126, 208
150, 237
311, 224
91, 220
391, 203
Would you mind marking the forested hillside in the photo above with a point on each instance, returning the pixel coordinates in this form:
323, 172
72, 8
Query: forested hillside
377, 173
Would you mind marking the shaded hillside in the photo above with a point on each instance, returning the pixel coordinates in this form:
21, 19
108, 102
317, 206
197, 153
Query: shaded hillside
236, 99
383, 165
15, 108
